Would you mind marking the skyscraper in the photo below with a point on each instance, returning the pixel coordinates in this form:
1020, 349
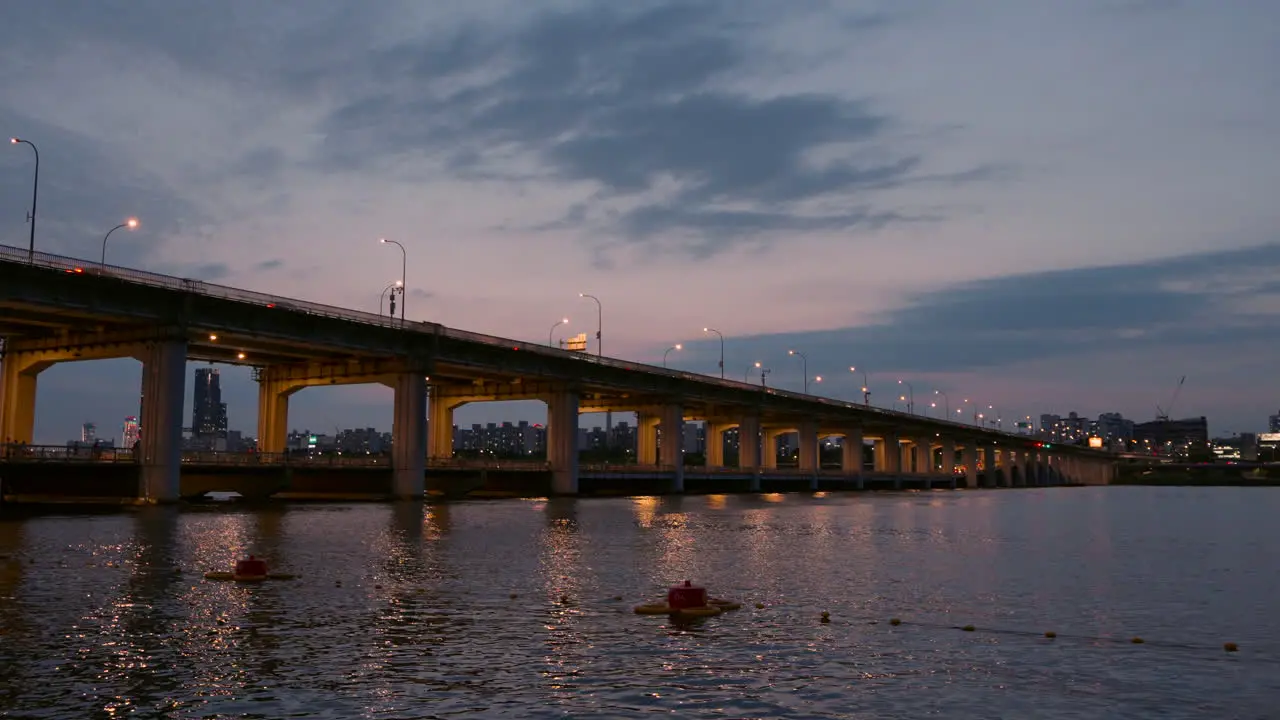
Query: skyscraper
208, 412
88, 433
130, 432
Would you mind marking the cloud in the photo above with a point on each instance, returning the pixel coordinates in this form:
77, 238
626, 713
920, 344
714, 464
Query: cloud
988, 324
639, 107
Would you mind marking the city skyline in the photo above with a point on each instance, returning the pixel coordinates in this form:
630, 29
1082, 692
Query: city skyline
1038, 225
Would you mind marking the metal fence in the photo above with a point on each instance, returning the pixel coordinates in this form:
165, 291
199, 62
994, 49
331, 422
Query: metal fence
19, 256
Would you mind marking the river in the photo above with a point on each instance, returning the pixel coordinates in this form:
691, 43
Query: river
406, 610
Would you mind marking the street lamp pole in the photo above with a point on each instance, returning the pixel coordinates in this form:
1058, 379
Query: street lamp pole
35, 195
746, 376
677, 346
131, 223
805, 361
599, 323
946, 402
404, 265
717, 332
395, 284
911, 395
866, 387
551, 332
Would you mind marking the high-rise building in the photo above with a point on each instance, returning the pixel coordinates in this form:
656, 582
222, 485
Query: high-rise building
129, 432
1273, 423
208, 412
88, 433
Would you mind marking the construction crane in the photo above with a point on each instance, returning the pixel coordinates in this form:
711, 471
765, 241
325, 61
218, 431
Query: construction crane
1161, 414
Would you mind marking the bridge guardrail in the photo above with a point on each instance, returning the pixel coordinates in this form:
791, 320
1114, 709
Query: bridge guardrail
16, 255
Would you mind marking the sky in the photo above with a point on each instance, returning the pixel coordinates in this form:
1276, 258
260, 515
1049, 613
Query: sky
1036, 206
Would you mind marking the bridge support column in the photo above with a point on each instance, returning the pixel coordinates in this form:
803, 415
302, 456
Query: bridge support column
749, 443
1031, 473
923, 451
440, 428
562, 442
273, 414
969, 458
714, 439
1008, 463
647, 438
409, 437
809, 460
851, 455
164, 369
769, 449
948, 453
989, 470
671, 449
18, 397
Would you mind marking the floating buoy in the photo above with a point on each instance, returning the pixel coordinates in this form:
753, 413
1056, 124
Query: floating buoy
759, 606
826, 617
895, 621
1230, 647
1137, 641
1051, 634
513, 596
688, 601
968, 628
250, 570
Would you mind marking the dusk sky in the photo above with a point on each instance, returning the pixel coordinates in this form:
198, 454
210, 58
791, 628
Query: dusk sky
1041, 206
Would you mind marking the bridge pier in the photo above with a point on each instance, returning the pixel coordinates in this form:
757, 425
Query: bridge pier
671, 448
989, 467
562, 442
948, 453
969, 458
807, 434
851, 455
164, 370
18, 373
647, 437
749, 448
409, 437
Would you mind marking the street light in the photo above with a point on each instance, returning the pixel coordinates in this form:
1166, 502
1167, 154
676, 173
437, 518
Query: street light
677, 346
404, 264
805, 362
35, 194
946, 401
911, 403
717, 332
551, 332
599, 323
395, 284
746, 376
866, 387
131, 223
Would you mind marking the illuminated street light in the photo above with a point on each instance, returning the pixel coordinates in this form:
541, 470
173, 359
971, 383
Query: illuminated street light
599, 322
677, 346
404, 265
35, 194
866, 387
717, 332
131, 223
805, 364
551, 332
911, 403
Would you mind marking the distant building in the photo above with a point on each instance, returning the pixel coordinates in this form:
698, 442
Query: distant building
1273, 423
130, 432
208, 412
88, 433
1173, 438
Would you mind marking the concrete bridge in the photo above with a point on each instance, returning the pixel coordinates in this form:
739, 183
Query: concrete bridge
55, 309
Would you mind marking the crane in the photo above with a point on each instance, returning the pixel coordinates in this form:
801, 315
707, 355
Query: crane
1162, 414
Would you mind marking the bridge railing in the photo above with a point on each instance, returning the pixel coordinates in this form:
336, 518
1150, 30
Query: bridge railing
15, 255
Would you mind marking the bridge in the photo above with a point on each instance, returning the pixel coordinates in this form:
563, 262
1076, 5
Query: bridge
56, 309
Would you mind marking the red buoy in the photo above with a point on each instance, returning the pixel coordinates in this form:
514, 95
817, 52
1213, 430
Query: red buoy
686, 596
252, 567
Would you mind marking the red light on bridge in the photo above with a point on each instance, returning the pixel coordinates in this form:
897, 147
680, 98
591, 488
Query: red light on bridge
75, 271
271, 305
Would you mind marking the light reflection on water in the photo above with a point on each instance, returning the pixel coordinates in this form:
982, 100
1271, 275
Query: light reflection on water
405, 610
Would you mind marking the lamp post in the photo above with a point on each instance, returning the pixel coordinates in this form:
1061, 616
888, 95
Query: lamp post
393, 285
746, 376
35, 194
599, 323
866, 387
805, 362
717, 332
999, 421
677, 346
404, 265
946, 402
131, 223
551, 332
911, 401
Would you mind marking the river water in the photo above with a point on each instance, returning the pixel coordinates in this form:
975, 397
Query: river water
405, 611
